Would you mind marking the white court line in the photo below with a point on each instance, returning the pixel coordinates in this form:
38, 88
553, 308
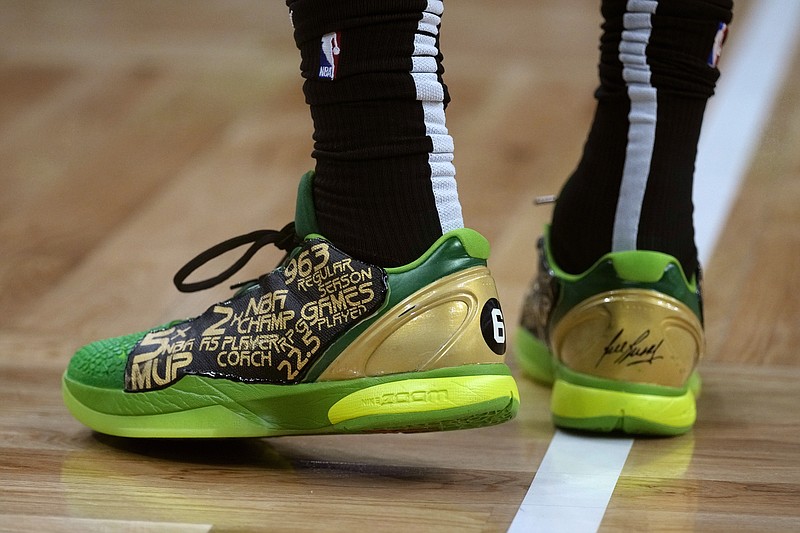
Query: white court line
753, 70
574, 483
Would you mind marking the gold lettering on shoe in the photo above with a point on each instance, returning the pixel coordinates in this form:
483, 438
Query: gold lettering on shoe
269, 333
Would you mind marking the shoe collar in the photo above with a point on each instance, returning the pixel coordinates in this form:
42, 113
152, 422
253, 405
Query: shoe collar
305, 216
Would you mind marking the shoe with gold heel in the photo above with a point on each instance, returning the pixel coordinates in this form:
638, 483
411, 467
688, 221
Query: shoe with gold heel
325, 343
619, 343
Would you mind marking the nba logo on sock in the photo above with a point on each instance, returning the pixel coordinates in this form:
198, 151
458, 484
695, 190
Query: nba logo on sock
719, 40
329, 56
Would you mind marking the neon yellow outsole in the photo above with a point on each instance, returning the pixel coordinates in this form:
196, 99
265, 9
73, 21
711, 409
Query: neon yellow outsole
588, 408
199, 407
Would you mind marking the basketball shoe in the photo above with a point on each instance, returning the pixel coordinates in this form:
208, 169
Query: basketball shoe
619, 343
325, 343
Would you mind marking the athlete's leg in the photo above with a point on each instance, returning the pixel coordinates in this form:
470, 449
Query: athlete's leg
614, 318
633, 186
385, 183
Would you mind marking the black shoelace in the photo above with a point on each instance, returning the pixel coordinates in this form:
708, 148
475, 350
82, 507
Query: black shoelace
286, 239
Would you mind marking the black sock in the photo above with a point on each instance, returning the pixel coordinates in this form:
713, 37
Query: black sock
633, 186
384, 188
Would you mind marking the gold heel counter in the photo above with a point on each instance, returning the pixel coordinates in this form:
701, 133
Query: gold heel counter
436, 327
632, 335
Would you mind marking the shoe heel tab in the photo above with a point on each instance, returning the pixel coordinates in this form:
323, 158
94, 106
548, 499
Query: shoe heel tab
475, 244
643, 266
305, 216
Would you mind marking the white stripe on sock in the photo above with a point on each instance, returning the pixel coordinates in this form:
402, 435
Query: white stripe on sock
642, 122
431, 93
425, 45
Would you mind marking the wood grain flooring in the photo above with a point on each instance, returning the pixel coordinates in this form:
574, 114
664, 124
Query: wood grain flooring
135, 134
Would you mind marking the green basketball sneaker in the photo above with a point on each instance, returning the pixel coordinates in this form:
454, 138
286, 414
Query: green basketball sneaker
325, 343
619, 343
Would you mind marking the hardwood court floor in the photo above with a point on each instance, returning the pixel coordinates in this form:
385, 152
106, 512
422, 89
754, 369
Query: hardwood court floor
135, 134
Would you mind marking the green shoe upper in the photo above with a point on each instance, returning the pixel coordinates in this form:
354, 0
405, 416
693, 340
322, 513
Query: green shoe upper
102, 363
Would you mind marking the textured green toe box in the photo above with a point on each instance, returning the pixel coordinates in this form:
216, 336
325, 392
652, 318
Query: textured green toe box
102, 363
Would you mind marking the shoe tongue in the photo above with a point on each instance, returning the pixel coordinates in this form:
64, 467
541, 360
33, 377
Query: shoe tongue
305, 218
